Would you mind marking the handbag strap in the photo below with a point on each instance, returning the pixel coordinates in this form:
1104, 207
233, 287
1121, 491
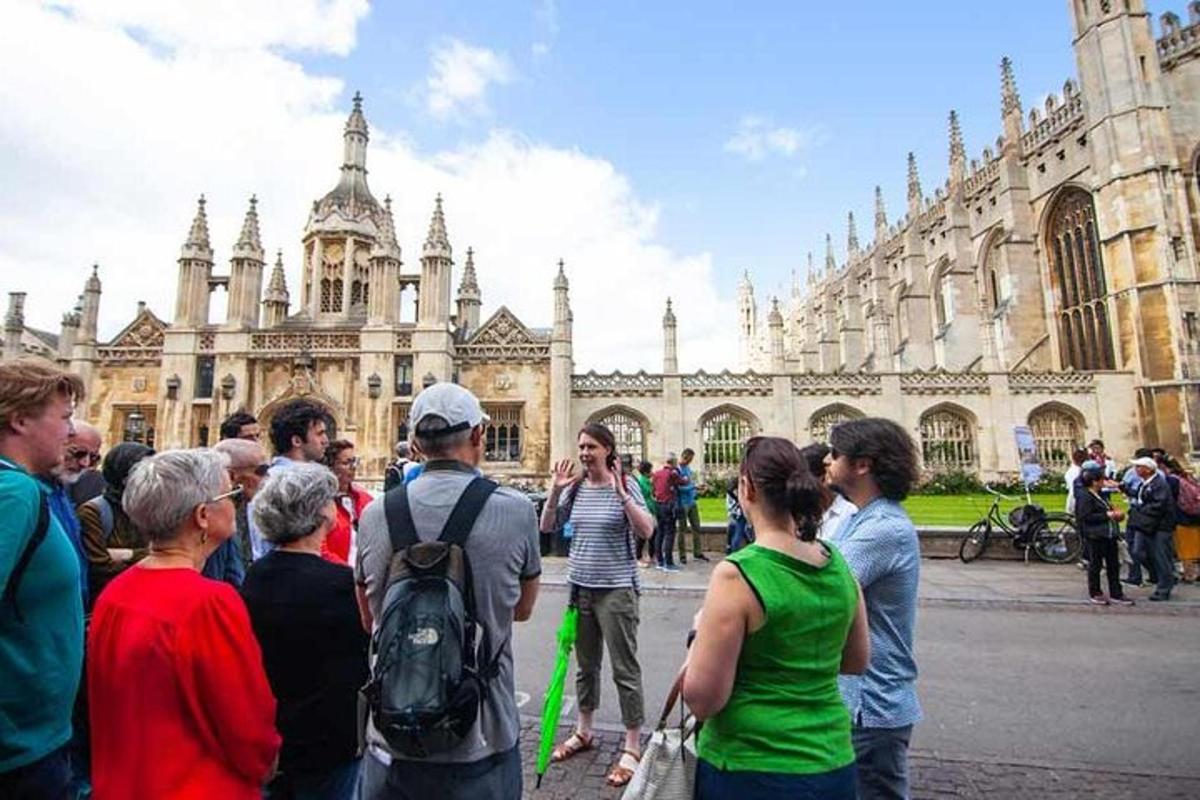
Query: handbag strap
672, 697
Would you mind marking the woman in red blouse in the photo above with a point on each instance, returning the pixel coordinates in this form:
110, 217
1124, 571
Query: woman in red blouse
180, 704
351, 500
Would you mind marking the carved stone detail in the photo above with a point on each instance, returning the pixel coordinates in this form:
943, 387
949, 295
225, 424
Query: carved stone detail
504, 339
944, 382
702, 384
298, 341
1051, 382
853, 384
616, 384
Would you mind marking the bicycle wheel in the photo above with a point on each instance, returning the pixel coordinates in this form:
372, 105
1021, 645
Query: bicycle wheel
1057, 541
975, 542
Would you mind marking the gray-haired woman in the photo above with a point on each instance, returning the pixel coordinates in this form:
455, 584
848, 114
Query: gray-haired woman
305, 615
171, 655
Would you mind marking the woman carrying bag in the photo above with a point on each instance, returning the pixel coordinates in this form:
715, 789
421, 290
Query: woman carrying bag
1100, 525
781, 619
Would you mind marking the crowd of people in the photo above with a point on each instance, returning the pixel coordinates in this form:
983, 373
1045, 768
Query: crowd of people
1161, 526
228, 622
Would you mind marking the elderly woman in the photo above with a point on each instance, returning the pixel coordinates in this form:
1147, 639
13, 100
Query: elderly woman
111, 542
180, 704
351, 500
305, 615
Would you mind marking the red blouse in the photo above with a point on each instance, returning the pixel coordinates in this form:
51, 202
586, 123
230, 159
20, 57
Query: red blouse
179, 700
336, 547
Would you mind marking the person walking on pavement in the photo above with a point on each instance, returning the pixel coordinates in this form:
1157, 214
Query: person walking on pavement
873, 462
665, 482
688, 513
41, 606
781, 619
606, 510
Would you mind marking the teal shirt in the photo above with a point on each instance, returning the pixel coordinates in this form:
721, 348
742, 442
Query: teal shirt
40, 658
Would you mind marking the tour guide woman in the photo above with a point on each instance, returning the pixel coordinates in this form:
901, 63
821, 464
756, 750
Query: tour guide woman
781, 619
606, 512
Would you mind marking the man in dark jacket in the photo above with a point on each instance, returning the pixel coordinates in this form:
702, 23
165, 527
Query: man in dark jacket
1152, 519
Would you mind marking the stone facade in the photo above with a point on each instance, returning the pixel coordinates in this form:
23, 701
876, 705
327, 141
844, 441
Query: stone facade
1052, 282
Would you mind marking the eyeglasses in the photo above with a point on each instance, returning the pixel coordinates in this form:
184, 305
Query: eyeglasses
233, 493
84, 455
261, 470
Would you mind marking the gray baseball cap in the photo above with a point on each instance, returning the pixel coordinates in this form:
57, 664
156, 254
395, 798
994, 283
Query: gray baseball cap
451, 402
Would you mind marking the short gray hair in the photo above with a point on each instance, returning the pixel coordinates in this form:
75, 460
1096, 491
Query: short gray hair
288, 505
434, 443
164, 489
402, 450
241, 453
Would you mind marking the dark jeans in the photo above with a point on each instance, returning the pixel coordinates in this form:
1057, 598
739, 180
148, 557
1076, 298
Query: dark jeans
1135, 565
689, 518
1104, 550
48, 778
336, 783
497, 776
664, 535
716, 784
1157, 549
882, 762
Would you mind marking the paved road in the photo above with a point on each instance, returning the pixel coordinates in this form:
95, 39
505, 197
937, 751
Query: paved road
1013, 698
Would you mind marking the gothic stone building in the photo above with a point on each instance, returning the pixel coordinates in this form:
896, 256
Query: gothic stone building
1050, 282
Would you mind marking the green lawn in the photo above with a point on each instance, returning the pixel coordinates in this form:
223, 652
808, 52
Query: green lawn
951, 510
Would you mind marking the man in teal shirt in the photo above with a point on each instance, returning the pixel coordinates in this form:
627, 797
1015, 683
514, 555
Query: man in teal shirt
41, 609
689, 512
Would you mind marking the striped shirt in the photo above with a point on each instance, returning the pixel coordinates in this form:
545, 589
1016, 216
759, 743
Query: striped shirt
602, 547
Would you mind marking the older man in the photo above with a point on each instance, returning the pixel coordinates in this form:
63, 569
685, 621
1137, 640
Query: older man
1152, 519
81, 460
247, 465
41, 610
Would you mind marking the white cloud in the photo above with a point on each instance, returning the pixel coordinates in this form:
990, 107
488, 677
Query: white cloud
460, 76
546, 17
757, 138
107, 138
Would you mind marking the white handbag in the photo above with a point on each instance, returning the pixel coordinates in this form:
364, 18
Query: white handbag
667, 770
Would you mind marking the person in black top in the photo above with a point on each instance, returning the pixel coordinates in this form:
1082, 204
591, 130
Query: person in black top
1152, 518
1100, 525
305, 615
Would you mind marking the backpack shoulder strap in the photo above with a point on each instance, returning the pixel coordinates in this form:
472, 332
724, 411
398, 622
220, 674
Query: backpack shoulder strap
401, 529
41, 528
105, 510
467, 510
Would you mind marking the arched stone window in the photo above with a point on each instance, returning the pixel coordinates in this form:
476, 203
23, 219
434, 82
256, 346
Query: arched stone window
502, 436
989, 272
628, 429
943, 296
1056, 431
1080, 290
824, 420
723, 434
947, 440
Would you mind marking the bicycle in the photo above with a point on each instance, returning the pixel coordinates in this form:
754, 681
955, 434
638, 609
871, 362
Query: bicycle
1052, 536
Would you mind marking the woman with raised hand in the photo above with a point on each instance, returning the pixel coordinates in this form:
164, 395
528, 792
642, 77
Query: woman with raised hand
783, 617
607, 514
180, 705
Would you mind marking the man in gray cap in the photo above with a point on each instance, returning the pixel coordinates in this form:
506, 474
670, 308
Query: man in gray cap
448, 426
1152, 519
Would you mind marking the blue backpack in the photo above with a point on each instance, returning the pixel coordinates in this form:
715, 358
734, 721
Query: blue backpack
40, 529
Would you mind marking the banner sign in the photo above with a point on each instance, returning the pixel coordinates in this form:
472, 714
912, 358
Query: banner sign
1031, 470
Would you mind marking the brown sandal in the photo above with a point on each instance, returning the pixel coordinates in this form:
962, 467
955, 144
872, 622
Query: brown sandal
620, 774
575, 744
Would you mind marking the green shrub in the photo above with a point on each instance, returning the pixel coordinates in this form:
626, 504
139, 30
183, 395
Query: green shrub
716, 485
951, 482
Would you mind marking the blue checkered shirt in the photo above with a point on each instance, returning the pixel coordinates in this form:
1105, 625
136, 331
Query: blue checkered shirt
880, 545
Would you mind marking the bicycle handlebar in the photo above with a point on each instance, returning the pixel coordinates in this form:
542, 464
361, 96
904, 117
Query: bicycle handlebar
992, 491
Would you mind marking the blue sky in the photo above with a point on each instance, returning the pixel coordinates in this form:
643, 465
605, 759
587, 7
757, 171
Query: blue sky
658, 89
659, 148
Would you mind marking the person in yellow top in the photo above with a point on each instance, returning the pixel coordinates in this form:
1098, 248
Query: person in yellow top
781, 619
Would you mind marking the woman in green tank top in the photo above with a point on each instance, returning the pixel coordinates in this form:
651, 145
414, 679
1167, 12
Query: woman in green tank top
788, 606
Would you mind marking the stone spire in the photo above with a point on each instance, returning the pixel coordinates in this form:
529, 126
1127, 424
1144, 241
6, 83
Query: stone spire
385, 245
275, 300
469, 296
914, 186
249, 244
670, 342
562, 305
1010, 100
437, 243
958, 152
351, 199
830, 260
90, 316
880, 217
775, 329
69, 331
14, 325
795, 284
356, 136
851, 236
197, 246
812, 270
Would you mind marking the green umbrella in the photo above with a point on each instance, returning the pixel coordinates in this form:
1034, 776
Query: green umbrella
552, 707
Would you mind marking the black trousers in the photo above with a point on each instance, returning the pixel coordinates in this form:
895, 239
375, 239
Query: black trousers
1104, 550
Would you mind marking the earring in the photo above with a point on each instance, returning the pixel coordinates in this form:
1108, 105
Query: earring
203, 537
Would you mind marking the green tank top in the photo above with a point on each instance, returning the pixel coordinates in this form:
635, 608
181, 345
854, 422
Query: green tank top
785, 713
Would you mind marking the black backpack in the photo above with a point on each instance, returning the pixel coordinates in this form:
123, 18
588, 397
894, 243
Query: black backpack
430, 674
40, 529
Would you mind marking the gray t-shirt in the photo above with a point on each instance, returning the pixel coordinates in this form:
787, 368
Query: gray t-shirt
603, 543
503, 551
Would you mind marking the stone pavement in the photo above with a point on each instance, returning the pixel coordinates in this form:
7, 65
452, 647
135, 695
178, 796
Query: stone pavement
950, 582
933, 776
